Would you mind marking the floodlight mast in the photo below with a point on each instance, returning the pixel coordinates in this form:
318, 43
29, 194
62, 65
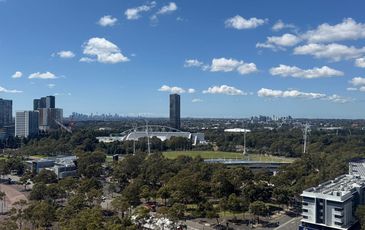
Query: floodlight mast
148, 138
305, 137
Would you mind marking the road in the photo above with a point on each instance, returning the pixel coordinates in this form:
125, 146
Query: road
290, 225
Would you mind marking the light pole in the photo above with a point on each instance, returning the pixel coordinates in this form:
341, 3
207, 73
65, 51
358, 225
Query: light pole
148, 138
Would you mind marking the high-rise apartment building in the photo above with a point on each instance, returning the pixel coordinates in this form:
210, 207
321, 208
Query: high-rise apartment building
36, 104
48, 118
332, 204
175, 111
48, 113
48, 102
6, 112
26, 123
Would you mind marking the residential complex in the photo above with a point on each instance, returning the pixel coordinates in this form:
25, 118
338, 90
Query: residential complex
175, 111
26, 123
49, 115
332, 205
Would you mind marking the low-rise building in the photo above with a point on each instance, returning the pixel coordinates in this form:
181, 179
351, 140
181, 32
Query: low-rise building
332, 205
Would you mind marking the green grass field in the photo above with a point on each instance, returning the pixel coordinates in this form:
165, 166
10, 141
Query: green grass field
226, 155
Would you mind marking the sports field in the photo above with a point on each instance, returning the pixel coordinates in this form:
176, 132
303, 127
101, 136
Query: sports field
226, 155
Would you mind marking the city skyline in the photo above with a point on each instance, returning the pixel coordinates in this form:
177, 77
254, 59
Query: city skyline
224, 59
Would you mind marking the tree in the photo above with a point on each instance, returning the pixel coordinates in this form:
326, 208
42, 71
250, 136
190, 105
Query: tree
121, 205
46, 177
40, 213
258, 208
17, 213
2, 200
176, 212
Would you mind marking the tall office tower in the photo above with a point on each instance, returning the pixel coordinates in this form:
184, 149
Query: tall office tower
175, 111
50, 102
26, 123
6, 112
36, 104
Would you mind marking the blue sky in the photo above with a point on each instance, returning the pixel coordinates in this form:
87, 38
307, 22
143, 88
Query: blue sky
226, 58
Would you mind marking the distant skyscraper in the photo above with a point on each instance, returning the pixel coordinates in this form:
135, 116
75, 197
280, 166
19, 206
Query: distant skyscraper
26, 123
175, 111
6, 112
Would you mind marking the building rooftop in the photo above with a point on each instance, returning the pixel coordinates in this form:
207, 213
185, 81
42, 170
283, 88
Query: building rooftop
339, 189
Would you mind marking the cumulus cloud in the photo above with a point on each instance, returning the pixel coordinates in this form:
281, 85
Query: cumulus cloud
175, 89
240, 23
280, 42
103, 50
107, 20
197, 100
358, 81
135, 13
17, 74
279, 25
44, 76
293, 71
4, 90
193, 63
229, 65
224, 89
65, 54
270, 93
333, 51
360, 62
349, 29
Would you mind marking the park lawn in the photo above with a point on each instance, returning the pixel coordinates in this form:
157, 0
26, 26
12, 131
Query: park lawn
226, 155
38, 156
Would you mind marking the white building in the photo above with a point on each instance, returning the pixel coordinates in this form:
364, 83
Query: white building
26, 123
332, 205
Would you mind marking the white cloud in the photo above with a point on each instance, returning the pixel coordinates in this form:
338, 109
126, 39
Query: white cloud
191, 90
107, 20
264, 92
168, 8
175, 89
193, 63
358, 81
51, 86
65, 54
4, 90
46, 75
229, 65
324, 71
17, 74
87, 60
197, 100
337, 99
279, 42
240, 23
224, 89
362, 89
104, 51
360, 62
333, 51
135, 13
279, 25
351, 89
349, 29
